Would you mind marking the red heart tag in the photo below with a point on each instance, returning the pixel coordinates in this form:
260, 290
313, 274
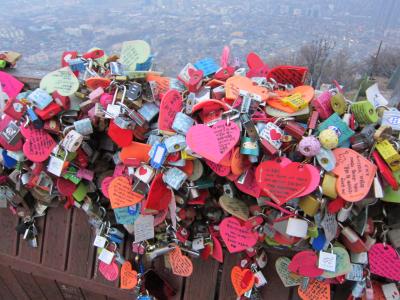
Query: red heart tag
305, 263
38, 144
282, 183
171, 104
242, 280
213, 143
122, 137
159, 195
236, 236
384, 261
249, 185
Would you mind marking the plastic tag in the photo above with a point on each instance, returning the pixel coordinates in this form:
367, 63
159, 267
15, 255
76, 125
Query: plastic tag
100, 241
327, 261
106, 256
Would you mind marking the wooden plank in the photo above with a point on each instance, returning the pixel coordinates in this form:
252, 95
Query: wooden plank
9, 237
5, 292
49, 288
60, 276
81, 250
176, 282
30, 253
29, 285
55, 247
93, 296
70, 292
11, 282
203, 282
226, 290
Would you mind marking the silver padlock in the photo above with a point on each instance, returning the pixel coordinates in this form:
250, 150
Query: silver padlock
175, 143
84, 126
175, 178
182, 123
40, 98
149, 111
114, 109
72, 141
134, 91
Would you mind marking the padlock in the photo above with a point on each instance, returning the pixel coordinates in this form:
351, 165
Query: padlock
134, 91
310, 204
175, 143
11, 133
40, 98
84, 126
15, 109
389, 154
391, 118
50, 111
72, 141
309, 146
326, 159
329, 185
322, 104
145, 173
294, 101
34, 119
364, 112
338, 104
182, 123
174, 178
114, 109
158, 155
148, 111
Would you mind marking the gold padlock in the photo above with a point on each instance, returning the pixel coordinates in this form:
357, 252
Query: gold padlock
329, 185
294, 101
310, 204
389, 154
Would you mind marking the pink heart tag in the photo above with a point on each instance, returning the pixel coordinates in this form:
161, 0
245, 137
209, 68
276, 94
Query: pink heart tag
220, 170
171, 104
236, 236
384, 261
10, 85
110, 272
38, 144
249, 185
215, 142
305, 263
314, 182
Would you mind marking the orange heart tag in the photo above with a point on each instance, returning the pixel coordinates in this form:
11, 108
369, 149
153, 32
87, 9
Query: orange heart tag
121, 194
235, 84
181, 265
316, 290
242, 280
128, 276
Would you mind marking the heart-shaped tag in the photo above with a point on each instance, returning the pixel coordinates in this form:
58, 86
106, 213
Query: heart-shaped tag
159, 195
236, 236
217, 252
249, 186
239, 162
293, 75
128, 276
215, 142
384, 261
133, 53
305, 263
122, 137
282, 182
316, 290
62, 80
235, 207
171, 104
38, 144
181, 265
242, 280
235, 84
219, 169
121, 194
10, 85
343, 265
110, 272
355, 174
288, 280
256, 65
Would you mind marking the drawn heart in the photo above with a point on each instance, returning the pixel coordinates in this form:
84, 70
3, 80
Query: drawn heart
38, 144
110, 272
343, 265
62, 80
121, 194
215, 142
142, 171
134, 52
288, 280
316, 290
282, 183
181, 265
236, 236
352, 168
276, 136
235, 207
249, 185
171, 104
128, 276
242, 280
305, 263
235, 84
384, 261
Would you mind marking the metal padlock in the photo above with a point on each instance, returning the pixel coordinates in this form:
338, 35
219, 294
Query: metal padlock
72, 141
33, 118
148, 111
134, 91
175, 178
113, 109
310, 204
182, 123
389, 154
11, 133
175, 143
84, 126
40, 98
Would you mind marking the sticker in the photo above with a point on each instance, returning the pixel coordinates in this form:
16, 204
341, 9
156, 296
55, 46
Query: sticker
38, 144
327, 261
110, 272
213, 143
242, 280
171, 104
288, 279
62, 80
235, 84
121, 194
355, 174
316, 290
236, 236
134, 52
249, 186
10, 85
235, 207
273, 134
181, 265
384, 261
144, 228
128, 276
282, 182
304, 263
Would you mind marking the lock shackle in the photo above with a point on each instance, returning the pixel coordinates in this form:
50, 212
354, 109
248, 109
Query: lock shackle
67, 129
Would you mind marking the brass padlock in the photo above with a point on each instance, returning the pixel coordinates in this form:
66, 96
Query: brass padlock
310, 204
